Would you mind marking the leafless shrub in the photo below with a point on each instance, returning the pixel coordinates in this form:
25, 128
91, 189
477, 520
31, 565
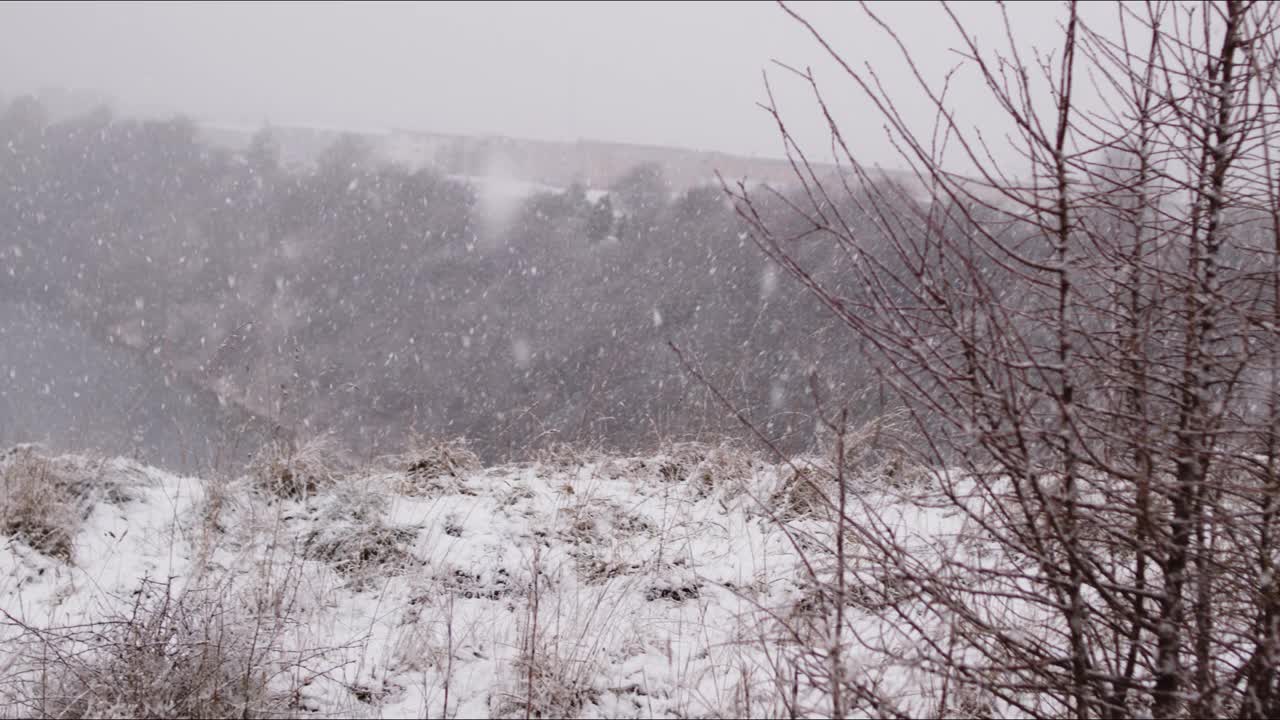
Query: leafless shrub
1092, 352
197, 653
969, 700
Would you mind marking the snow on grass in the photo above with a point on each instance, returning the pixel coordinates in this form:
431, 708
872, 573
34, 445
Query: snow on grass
591, 586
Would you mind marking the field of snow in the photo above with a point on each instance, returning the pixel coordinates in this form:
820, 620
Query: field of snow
674, 585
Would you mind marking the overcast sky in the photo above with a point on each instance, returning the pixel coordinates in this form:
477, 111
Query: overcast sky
685, 74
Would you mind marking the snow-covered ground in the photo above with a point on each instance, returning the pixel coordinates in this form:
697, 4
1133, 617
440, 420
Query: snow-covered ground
579, 585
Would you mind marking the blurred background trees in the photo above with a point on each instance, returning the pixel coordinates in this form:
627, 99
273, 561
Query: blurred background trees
363, 298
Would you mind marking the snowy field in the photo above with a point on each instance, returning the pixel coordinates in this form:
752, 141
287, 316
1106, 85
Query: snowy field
676, 585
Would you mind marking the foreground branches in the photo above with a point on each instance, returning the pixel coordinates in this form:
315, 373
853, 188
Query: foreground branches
1090, 346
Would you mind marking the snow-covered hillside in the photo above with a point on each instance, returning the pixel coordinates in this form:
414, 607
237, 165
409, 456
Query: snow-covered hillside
419, 586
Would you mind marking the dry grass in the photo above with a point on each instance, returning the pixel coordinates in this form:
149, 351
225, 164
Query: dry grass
559, 656
559, 631
550, 687
432, 466
291, 470
352, 535
564, 457
677, 461
885, 450
805, 490
43, 501
710, 467
877, 455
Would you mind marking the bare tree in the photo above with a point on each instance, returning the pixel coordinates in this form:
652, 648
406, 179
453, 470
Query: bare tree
1089, 347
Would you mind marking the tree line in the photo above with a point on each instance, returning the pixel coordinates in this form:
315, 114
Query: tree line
359, 297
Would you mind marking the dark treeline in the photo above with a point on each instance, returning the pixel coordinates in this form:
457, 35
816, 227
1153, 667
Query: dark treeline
361, 298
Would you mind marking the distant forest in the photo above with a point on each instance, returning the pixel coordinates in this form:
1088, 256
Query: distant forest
360, 298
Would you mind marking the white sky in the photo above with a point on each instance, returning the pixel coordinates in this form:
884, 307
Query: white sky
685, 74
